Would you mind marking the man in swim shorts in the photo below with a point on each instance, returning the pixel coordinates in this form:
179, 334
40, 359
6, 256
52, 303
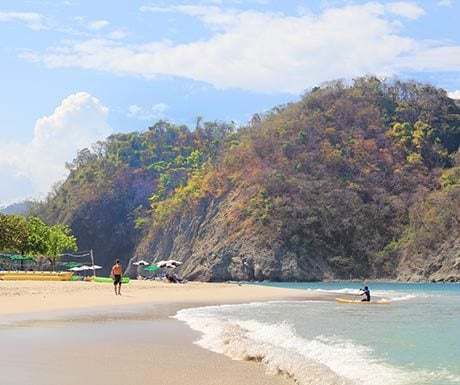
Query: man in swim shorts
116, 274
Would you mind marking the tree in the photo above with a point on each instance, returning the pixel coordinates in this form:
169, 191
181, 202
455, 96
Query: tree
37, 238
60, 239
14, 233
3, 231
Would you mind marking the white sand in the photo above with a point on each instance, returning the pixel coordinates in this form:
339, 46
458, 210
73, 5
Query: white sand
41, 296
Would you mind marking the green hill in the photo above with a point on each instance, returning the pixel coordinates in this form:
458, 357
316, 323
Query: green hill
352, 181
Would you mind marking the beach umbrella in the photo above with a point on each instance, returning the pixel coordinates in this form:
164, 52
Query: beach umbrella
96, 267
23, 258
81, 268
174, 262
151, 268
71, 264
171, 263
141, 263
76, 268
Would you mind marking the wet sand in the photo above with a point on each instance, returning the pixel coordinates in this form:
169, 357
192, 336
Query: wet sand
65, 333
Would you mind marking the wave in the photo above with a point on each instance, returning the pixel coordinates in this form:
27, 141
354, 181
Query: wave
317, 361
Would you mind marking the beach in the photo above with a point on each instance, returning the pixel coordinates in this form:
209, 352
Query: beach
51, 329
69, 333
40, 296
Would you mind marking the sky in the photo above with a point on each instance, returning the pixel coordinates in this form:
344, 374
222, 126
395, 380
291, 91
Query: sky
73, 72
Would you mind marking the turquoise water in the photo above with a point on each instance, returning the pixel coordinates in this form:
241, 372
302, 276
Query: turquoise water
415, 340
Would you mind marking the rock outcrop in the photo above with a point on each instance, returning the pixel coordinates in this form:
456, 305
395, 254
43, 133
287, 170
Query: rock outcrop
442, 266
215, 249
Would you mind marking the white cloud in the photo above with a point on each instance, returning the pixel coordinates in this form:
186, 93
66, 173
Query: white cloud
77, 123
133, 110
211, 15
433, 58
409, 10
160, 107
118, 34
31, 19
155, 112
454, 94
270, 52
98, 25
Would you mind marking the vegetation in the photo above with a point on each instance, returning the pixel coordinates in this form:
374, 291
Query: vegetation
342, 173
352, 174
113, 189
33, 237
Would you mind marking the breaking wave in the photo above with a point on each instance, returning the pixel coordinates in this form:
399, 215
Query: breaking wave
320, 360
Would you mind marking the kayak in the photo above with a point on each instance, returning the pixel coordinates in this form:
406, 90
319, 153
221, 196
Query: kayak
35, 275
109, 280
357, 301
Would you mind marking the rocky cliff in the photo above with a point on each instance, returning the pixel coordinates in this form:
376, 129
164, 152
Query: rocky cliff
216, 249
441, 266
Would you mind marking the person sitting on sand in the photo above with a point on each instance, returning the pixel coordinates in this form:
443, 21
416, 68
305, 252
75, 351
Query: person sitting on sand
367, 293
171, 278
116, 274
178, 278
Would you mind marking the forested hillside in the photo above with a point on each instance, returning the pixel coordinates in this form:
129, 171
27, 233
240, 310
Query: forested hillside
108, 195
352, 181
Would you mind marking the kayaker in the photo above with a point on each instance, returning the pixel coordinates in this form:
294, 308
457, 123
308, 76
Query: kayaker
367, 293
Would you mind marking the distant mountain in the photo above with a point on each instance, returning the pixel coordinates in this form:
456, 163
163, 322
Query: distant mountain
352, 181
20, 208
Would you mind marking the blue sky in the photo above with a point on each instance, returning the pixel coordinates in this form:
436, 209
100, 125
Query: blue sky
75, 71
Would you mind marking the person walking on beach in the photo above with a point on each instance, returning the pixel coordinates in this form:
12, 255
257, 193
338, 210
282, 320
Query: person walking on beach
116, 274
367, 293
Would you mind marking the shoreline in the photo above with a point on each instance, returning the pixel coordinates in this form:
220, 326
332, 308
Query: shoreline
92, 304
39, 296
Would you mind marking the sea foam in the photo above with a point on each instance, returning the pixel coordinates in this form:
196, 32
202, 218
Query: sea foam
388, 294
317, 361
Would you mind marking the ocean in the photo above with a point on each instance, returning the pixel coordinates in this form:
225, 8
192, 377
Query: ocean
413, 341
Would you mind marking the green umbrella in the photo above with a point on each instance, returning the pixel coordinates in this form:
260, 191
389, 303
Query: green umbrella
71, 264
23, 258
151, 268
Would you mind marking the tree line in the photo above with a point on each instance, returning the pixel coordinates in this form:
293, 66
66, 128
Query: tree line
32, 237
